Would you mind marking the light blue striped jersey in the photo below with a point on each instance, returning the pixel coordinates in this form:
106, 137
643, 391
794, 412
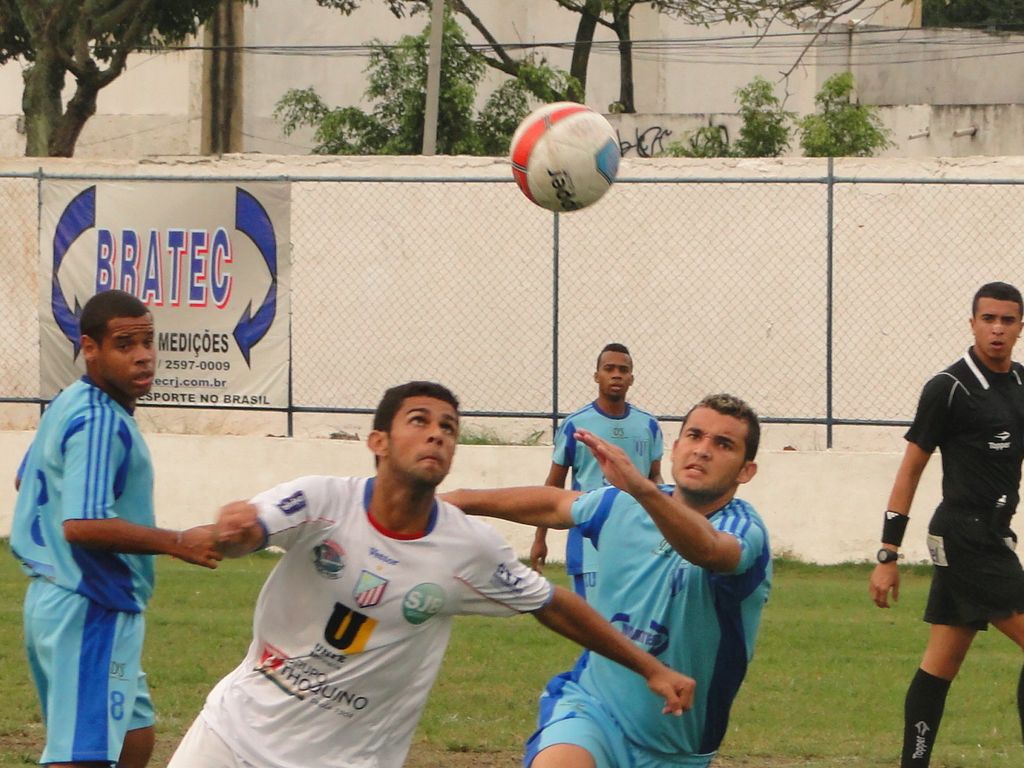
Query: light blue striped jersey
88, 461
701, 623
636, 432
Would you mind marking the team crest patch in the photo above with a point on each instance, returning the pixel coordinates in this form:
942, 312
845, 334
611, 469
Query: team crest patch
369, 589
329, 559
421, 602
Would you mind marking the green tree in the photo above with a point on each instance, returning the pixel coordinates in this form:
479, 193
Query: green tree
765, 132
616, 15
994, 14
841, 128
88, 40
396, 86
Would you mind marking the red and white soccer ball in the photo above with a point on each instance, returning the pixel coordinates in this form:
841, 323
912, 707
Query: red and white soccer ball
564, 156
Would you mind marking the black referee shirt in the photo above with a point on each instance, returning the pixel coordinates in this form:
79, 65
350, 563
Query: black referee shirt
975, 417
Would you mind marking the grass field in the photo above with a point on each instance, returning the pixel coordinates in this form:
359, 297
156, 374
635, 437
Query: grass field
825, 689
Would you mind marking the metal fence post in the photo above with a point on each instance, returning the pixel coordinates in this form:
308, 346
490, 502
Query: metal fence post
830, 240
554, 323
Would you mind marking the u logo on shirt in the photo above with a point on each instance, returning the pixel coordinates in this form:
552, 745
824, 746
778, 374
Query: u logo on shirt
348, 630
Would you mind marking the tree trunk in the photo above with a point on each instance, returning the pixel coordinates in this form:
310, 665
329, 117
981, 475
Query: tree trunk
41, 103
51, 130
69, 127
581, 48
621, 25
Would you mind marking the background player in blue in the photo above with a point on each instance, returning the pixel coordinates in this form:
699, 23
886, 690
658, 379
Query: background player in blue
974, 413
84, 532
614, 419
685, 572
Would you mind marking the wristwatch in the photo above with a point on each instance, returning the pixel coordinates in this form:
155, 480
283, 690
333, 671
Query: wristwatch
887, 555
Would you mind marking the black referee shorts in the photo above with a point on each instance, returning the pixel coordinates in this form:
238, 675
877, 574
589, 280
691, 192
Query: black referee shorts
977, 575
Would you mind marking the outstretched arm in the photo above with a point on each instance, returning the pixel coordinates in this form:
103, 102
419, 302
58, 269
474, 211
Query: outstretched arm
569, 615
195, 545
532, 505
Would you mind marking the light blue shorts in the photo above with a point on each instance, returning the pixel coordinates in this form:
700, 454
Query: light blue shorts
570, 715
86, 664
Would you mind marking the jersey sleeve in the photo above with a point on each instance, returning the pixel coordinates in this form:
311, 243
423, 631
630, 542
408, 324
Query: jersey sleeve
300, 510
591, 510
564, 452
752, 537
497, 584
929, 428
658, 442
95, 458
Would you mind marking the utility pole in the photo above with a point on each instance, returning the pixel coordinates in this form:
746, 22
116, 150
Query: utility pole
433, 77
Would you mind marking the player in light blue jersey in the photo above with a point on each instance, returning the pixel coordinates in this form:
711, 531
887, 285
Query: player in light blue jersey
685, 573
611, 418
84, 532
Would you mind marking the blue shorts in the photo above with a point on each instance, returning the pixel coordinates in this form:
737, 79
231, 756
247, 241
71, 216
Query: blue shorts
570, 715
86, 664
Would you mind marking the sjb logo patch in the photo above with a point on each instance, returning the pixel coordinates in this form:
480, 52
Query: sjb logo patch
421, 602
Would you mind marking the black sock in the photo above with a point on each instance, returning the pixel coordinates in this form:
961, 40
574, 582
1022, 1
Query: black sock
922, 713
1020, 701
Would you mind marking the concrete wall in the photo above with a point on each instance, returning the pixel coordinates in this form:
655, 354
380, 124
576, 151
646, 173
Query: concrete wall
821, 507
915, 130
155, 108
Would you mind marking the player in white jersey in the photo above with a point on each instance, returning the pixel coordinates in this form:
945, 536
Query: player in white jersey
685, 573
351, 626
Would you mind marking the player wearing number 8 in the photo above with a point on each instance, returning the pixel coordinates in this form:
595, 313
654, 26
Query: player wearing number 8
84, 532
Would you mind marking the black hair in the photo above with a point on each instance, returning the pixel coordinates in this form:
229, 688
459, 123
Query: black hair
104, 307
612, 347
1000, 292
395, 396
730, 405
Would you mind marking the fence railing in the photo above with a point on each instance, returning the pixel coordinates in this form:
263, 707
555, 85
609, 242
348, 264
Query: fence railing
822, 300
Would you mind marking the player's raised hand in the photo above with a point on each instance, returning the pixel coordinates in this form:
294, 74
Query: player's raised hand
238, 528
617, 467
199, 546
675, 688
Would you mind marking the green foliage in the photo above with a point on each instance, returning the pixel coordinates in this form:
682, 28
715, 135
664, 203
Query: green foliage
994, 14
765, 132
396, 87
28, 30
707, 141
841, 128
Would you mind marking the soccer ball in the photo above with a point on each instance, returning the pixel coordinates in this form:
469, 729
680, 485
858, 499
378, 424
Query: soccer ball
564, 156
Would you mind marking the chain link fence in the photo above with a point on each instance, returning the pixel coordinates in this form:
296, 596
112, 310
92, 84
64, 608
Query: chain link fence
822, 300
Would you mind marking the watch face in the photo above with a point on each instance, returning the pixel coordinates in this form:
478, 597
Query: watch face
886, 555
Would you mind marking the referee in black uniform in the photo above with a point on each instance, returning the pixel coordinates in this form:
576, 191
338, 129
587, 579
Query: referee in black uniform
974, 413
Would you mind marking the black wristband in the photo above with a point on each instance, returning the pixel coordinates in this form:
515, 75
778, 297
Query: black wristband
893, 528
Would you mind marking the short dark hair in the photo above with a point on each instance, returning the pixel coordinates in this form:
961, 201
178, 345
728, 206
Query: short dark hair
395, 396
730, 405
1000, 292
612, 347
104, 307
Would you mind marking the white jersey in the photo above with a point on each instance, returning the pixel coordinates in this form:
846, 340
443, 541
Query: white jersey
352, 624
